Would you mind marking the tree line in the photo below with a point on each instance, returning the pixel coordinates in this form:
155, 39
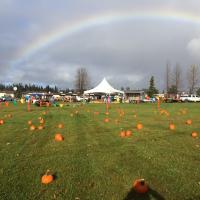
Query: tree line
22, 88
175, 77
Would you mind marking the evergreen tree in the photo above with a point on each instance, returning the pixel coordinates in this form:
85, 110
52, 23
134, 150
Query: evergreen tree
152, 89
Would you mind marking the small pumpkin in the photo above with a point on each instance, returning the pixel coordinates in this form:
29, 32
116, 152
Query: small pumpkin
44, 113
106, 120
60, 125
40, 127
32, 127
171, 126
139, 126
194, 134
29, 122
59, 137
189, 122
122, 133
1, 121
128, 133
140, 186
42, 121
47, 178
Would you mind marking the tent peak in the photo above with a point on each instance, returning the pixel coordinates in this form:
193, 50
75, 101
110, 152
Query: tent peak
103, 87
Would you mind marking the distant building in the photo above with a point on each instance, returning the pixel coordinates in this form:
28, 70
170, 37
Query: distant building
7, 94
134, 95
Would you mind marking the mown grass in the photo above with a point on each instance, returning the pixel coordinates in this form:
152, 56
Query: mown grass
94, 162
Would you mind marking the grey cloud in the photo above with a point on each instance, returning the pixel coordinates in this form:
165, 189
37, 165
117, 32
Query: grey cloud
127, 52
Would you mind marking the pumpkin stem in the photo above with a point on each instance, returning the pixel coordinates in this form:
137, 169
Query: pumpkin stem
142, 181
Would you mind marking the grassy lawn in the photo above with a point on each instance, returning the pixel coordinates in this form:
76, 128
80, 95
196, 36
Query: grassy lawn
94, 162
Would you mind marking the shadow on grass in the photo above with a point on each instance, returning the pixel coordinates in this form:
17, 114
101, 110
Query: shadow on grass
151, 194
55, 176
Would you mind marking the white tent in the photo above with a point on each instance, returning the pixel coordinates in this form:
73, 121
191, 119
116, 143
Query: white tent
103, 88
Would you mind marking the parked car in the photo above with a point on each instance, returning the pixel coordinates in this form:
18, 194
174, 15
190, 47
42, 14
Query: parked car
193, 98
148, 100
7, 98
42, 102
184, 97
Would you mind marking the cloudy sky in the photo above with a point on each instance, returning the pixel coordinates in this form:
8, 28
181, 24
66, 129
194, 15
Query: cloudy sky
46, 41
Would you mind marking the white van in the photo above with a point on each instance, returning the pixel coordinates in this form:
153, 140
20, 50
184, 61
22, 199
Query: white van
193, 98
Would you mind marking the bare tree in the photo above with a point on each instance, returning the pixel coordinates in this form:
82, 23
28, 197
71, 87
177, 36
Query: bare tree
81, 80
177, 77
193, 77
167, 77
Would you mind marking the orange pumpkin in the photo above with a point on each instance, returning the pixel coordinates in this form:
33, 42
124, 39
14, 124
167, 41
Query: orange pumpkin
1, 121
96, 113
59, 137
44, 113
189, 122
140, 186
42, 121
106, 120
29, 122
47, 178
60, 125
139, 126
194, 134
122, 133
128, 133
40, 127
32, 128
171, 126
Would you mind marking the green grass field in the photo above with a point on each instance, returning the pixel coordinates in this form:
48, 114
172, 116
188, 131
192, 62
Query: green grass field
94, 162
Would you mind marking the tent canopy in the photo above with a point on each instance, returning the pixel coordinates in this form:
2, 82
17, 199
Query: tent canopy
103, 88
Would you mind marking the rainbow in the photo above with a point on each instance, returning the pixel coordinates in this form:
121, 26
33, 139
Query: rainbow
98, 20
